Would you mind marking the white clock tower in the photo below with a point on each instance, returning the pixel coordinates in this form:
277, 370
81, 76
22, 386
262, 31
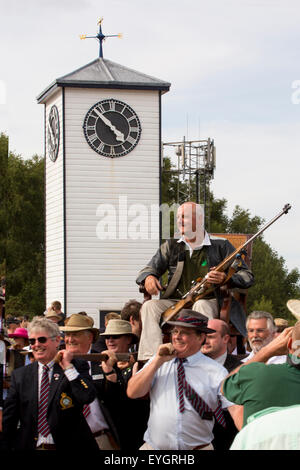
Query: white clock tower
103, 161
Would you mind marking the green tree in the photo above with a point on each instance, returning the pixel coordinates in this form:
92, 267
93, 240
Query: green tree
3, 206
273, 282
218, 218
25, 236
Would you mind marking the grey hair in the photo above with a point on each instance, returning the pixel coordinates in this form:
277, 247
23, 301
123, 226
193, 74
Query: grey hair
42, 323
258, 314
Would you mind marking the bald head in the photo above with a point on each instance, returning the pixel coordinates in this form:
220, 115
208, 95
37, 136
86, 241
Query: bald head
216, 343
190, 220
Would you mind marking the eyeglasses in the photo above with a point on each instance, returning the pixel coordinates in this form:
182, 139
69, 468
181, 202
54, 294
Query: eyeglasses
181, 333
113, 336
41, 339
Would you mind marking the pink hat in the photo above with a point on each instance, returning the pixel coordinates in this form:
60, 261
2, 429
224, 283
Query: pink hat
19, 333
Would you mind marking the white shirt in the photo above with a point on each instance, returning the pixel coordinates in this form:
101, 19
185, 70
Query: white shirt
206, 242
95, 419
272, 360
168, 429
49, 438
221, 359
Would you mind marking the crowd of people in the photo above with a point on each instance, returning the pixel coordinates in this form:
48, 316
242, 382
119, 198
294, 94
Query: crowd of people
189, 382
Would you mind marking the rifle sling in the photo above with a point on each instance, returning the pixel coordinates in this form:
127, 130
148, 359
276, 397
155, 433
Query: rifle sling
174, 281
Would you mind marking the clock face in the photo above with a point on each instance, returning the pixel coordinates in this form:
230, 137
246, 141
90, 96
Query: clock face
112, 128
53, 133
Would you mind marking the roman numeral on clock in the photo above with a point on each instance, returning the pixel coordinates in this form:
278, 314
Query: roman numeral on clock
131, 140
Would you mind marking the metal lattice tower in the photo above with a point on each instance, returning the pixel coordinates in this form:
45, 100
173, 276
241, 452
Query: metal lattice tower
195, 165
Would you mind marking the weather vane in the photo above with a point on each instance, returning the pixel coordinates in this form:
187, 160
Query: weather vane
101, 37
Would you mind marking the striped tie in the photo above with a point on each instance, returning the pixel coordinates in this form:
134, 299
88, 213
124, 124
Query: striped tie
43, 426
196, 401
86, 410
181, 378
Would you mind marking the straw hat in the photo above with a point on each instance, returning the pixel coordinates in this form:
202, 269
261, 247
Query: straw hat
78, 322
281, 322
119, 327
294, 307
53, 314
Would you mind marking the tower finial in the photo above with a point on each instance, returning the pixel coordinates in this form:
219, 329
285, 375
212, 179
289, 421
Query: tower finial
101, 37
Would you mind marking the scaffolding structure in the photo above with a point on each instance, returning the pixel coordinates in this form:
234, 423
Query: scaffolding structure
195, 165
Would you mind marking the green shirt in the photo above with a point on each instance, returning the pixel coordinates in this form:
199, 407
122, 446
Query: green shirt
257, 386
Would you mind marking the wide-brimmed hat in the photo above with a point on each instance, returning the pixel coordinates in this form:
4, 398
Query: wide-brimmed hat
294, 307
78, 322
53, 314
191, 319
119, 327
19, 333
281, 322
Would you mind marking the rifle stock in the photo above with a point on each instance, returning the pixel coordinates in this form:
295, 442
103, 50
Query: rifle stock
202, 288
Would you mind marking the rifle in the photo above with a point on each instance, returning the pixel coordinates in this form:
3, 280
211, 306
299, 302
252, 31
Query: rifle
98, 357
201, 287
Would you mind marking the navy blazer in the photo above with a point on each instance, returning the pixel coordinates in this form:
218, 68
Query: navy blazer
66, 399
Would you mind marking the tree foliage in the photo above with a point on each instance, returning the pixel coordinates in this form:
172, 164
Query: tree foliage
25, 270
274, 284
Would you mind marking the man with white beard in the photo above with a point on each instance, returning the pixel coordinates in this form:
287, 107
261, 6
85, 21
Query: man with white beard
261, 331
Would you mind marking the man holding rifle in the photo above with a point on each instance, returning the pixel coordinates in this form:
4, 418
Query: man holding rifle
195, 254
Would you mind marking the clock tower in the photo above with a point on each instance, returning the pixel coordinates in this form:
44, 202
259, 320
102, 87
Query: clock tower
103, 160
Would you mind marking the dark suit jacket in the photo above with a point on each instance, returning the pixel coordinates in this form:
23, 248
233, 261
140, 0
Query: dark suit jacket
223, 438
126, 417
232, 362
67, 424
99, 384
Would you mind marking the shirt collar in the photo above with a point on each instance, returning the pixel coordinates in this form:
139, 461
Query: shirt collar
193, 358
206, 242
50, 364
221, 359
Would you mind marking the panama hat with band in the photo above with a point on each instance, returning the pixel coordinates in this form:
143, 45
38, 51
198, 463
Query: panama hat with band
294, 307
53, 314
117, 327
78, 322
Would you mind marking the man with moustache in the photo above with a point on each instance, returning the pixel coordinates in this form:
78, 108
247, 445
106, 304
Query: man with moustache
258, 385
261, 331
184, 389
44, 407
193, 254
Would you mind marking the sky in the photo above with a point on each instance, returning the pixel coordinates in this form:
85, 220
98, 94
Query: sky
234, 70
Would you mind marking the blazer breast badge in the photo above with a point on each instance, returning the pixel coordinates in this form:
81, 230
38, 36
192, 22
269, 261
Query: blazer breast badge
65, 401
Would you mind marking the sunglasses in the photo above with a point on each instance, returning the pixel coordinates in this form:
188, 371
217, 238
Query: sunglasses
113, 336
41, 339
